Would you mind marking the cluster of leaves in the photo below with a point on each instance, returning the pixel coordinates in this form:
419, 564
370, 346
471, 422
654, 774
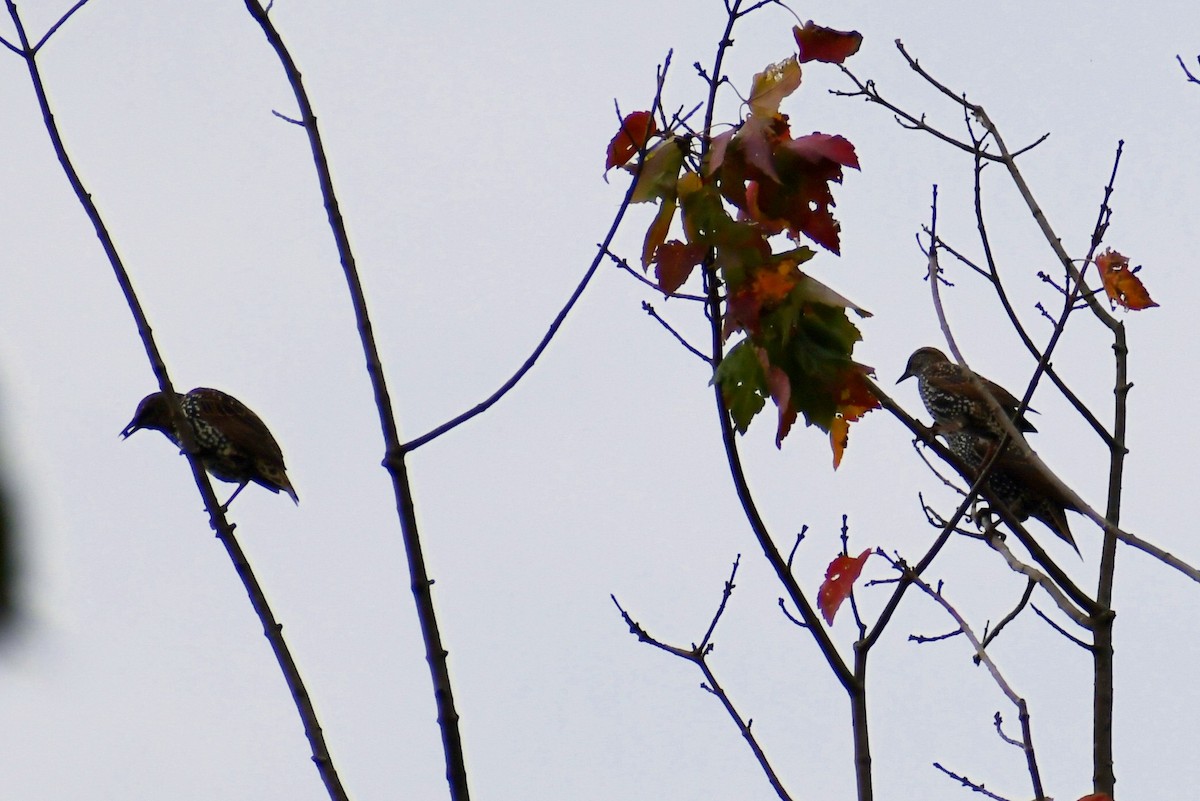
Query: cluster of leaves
737, 196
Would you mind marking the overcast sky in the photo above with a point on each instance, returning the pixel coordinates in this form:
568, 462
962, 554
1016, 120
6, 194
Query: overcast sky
467, 144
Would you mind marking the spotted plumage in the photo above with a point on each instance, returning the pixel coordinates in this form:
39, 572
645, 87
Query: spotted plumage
955, 402
1015, 481
232, 442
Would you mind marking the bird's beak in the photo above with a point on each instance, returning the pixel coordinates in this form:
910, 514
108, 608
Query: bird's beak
129, 429
907, 374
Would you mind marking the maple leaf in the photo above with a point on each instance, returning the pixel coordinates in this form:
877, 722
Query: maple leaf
817, 43
659, 173
854, 399
674, 262
839, 438
815, 290
656, 234
1120, 282
740, 377
801, 199
772, 85
780, 387
636, 130
818, 147
767, 288
840, 576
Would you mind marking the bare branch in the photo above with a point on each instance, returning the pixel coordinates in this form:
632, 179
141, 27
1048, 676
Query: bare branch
1191, 78
646, 307
61, 21
965, 782
1017, 701
697, 654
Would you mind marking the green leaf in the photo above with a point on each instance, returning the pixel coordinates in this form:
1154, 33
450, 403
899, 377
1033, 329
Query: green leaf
743, 384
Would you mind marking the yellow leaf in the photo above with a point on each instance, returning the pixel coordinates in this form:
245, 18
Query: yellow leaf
839, 437
772, 85
656, 234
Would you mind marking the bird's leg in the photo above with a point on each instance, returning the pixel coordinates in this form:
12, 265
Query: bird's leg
225, 507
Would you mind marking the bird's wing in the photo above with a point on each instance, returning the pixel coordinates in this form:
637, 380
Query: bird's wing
244, 428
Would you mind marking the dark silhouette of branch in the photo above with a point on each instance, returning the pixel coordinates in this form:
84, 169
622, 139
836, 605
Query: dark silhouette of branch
965, 782
394, 461
61, 21
272, 629
1191, 78
697, 654
1026, 741
601, 250
646, 307
990, 635
624, 265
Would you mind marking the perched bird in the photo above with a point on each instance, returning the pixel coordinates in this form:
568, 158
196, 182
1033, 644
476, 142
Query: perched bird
1015, 481
231, 441
955, 402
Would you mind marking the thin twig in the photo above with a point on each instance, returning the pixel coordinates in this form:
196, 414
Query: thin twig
1191, 78
965, 782
646, 307
697, 654
61, 21
624, 265
601, 250
990, 635
997, 677
1061, 630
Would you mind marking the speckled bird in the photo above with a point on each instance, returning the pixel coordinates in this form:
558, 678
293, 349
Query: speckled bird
955, 402
1015, 481
232, 442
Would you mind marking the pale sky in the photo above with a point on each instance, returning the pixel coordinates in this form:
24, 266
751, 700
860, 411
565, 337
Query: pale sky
467, 145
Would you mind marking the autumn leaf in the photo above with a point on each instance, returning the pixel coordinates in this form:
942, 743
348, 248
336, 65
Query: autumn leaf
840, 576
815, 290
674, 262
854, 400
636, 130
780, 387
1120, 282
1097, 797
772, 85
656, 234
818, 147
659, 172
825, 44
740, 377
800, 201
839, 438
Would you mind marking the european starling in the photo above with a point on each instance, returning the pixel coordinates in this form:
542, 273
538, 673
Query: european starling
1015, 481
232, 442
954, 401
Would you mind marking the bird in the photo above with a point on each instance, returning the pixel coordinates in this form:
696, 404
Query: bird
1015, 481
955, 402
231, 441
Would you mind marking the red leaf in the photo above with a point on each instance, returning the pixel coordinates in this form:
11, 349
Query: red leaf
636, 130
825, 44
819, 147
840, 576
780, 387
1097, 797
1120, 283
674, 262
